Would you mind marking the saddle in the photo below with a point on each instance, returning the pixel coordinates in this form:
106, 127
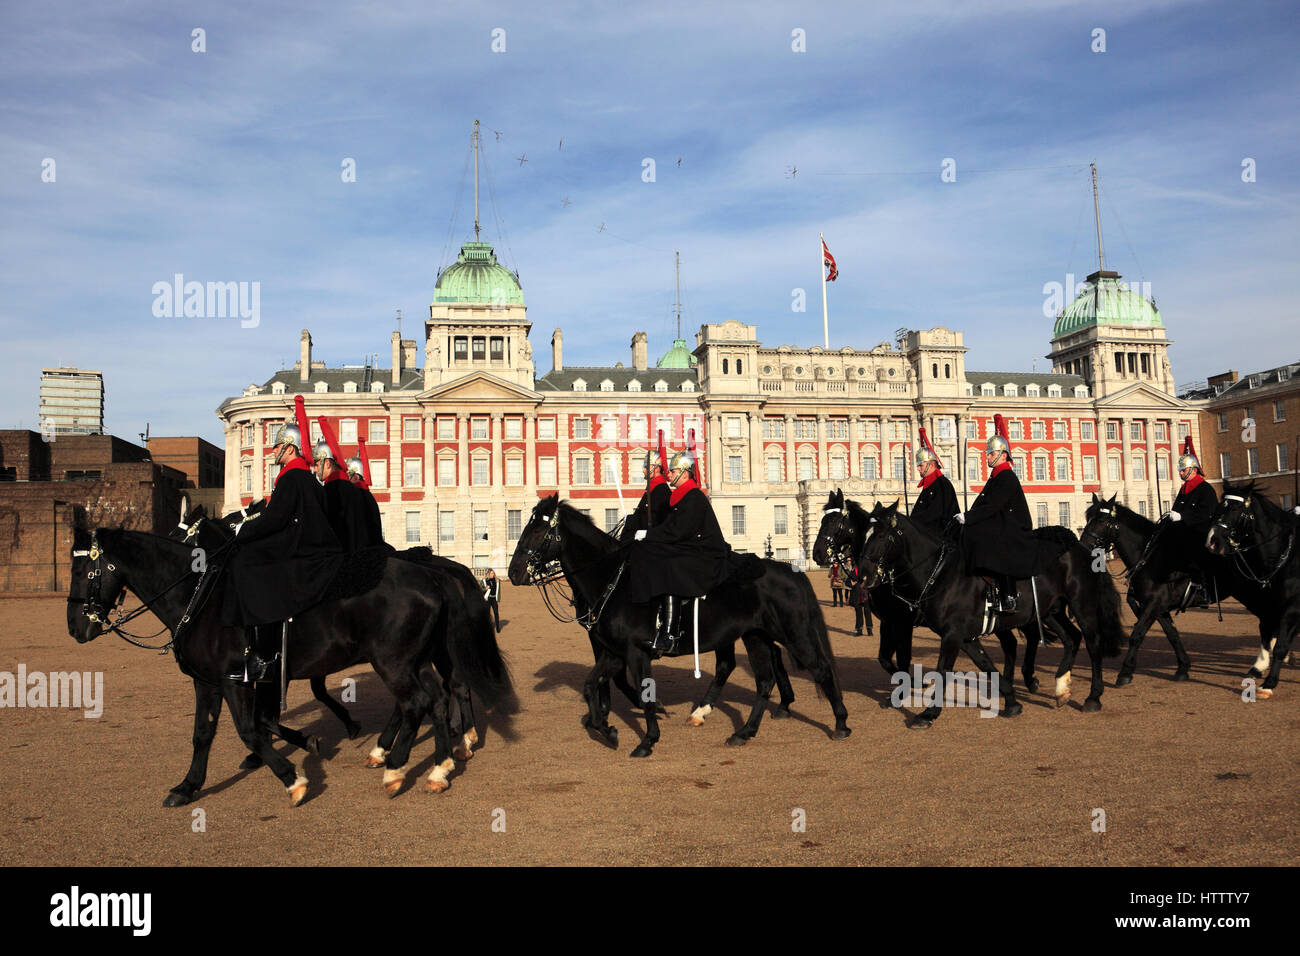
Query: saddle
359, 573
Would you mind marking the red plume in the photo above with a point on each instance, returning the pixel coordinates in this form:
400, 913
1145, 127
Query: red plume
699, 465
925, 440
1187, 446
1000, 427
663, 455
365, 458
327, 432
300, 413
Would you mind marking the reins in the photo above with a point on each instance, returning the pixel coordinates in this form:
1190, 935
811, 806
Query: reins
1239, 551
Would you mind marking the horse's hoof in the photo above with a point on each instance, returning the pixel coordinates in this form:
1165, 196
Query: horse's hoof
393, 780
376, 758
438, 782
1031, 684
698, 714
461, 754
435, 786
251, 762
1012, 709
176, 799
643, 750
298, 792
841, 733
611, 738
1091, 705
1123, 680
1181, 675
1062, 699
921, 723
313, 745
1263, 694
736, 740
781, 713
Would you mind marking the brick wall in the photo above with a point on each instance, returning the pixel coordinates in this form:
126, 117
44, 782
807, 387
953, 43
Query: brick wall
1276, 482
26, 454
202, 462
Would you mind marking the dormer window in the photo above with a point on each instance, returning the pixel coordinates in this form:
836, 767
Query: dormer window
349, 387
661, 386
607, 386
579, 385
987, 389
970, 389
277, 388
376, 386
321, 387
1081, 391
1053, 391
1009, 390
688, 386
634, 386
1031, 391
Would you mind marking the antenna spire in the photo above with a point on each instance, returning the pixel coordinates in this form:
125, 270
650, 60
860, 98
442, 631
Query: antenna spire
1096, 208
677, 259
476, 180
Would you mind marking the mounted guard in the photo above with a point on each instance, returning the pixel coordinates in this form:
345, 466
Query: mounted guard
1186, 525
653, 506
936, 505
286, 557
352, 511
999, 540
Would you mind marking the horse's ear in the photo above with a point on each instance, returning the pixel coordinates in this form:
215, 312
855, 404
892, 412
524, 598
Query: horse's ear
894, 506
1095, 499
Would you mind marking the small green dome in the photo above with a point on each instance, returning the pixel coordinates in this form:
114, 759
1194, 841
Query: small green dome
679, 356
1105, 301
476, 276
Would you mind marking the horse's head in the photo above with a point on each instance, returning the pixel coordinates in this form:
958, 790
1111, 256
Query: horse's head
539, 542
836, 531
191, 520
97, 585
882, 544
1234, 520
1101, 525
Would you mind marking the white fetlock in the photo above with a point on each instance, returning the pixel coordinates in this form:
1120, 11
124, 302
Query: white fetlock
699, 713
379, 753
437, 782
472, 736
298, 790
394, 776
1062, 689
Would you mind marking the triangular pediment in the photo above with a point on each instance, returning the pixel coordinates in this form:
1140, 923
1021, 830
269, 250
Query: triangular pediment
480, 387
1139, 393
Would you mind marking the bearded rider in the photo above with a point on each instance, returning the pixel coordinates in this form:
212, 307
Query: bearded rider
936, 505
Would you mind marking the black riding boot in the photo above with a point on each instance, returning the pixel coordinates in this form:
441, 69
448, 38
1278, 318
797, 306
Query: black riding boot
1007, 586
256, 666
665, 641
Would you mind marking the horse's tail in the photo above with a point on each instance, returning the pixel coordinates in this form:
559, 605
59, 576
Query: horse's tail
472, 642
1097, 589
816, 628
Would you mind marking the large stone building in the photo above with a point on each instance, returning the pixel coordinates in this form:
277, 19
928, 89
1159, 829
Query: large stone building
72, 401
462, 449
1250, 427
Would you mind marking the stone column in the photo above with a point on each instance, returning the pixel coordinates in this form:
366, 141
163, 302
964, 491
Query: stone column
260, 487
430, 470
530, 454
562, 464
855, 464
1126, 462
823, 469
755, 447
497, 477
715, 468
462, 455
791, 466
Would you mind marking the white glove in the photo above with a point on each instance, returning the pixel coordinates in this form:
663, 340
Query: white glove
1174, 516
237, 527
640, 535
1296, 509
961, 517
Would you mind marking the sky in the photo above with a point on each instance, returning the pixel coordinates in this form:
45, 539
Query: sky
131, 156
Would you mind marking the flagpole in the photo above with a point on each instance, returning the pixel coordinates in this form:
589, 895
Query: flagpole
821, 264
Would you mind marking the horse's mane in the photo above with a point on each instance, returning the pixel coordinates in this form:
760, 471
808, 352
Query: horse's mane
856, 510
1251, 489
1132, 520
582, 525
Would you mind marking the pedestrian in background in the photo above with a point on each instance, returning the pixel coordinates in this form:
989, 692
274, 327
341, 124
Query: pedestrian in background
837, 585
492, 594
859, 599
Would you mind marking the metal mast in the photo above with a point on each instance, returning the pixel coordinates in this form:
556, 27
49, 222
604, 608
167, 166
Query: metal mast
677, 259
1096, 208
476, 180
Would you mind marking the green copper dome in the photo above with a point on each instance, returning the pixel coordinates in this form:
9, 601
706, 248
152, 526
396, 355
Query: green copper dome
476, 276
679, 356
1105, 301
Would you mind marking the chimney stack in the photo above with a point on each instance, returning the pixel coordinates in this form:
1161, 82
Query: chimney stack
639, 351
397, 357
408, 353
557, 348
304, 358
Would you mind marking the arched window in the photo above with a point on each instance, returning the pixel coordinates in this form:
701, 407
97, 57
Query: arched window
947, 370
934, 370
724, 366
738, 370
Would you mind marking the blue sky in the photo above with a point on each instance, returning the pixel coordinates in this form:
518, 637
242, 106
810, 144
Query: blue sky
225, 166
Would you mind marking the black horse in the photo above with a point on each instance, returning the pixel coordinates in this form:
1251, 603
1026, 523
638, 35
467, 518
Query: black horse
778, 606
393, 625
927, 572
198, 530
1260, 539
843, 528
1157, 587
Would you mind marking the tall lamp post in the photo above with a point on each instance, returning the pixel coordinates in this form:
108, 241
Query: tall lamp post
767, 551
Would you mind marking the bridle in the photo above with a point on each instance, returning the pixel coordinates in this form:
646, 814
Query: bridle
1238, 549
1106, 536
890, 576
547, 574
840, 541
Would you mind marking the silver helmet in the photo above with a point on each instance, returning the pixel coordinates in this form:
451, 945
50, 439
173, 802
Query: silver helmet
923, 454
683, 460
288, 434
652, 460
1188, 460
995, 444
354, 467
321, 451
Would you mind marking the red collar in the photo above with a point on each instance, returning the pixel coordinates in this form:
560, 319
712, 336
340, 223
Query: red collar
930, 479
1004, 466
1190, 484
680, 491
655, 481
362, 483
337, 476
293, 464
